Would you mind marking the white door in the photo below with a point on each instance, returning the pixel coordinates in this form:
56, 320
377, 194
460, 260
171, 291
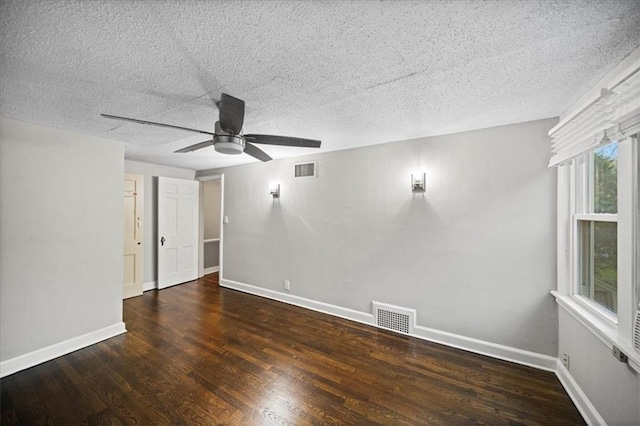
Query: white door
178, 205
133, 233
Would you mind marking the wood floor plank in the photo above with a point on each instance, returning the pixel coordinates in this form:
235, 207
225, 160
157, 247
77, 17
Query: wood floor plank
200, 354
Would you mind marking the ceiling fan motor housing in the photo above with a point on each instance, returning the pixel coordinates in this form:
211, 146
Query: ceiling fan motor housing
228, 137
228, 144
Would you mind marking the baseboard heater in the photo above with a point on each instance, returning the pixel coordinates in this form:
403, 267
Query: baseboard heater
394, 318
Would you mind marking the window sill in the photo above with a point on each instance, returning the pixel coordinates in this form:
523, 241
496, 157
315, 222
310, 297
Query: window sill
603, 330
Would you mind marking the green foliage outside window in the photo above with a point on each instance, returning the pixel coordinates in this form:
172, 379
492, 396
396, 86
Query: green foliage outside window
599, 240
605, 179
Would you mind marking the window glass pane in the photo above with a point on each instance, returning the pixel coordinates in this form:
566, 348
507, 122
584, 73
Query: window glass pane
599, 262
605, 179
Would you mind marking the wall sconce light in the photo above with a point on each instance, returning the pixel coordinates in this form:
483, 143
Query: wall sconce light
417, 182
274, 190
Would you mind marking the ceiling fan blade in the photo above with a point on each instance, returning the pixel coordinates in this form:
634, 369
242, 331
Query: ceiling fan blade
283, 140
171, 126
195, 146
231, 114
256, 152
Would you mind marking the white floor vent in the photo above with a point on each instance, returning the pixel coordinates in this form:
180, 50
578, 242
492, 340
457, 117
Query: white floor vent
394, 318
636, 331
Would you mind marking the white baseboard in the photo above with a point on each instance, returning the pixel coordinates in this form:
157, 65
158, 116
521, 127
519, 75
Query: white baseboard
579, 398
325, 308
39, 356
482, 347
494, 350
211, 270
150, 285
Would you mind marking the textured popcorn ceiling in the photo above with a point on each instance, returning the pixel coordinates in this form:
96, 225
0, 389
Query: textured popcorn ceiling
350, 73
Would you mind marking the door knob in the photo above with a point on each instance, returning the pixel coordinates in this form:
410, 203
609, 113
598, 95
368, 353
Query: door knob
162, 240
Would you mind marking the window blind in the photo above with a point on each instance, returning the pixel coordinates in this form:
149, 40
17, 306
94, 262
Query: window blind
612, 116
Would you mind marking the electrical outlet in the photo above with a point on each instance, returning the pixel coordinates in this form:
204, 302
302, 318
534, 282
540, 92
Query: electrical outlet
287, 285
619, 355
565, 360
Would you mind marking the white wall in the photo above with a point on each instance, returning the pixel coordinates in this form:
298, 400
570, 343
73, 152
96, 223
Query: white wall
151, 172
475, 254
611, 386
61, 227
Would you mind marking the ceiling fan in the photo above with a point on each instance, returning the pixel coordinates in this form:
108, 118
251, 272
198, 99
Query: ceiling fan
228, 137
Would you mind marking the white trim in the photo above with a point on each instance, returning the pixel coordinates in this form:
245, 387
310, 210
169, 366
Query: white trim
596, 217
202, 271
635, 219
626, 250
605, 331
150, 285
565, 203
635, 200
494, 350
302, 302
56, 350
482, 347
577, 395
221, 248
208, 177
604, 314
211, 270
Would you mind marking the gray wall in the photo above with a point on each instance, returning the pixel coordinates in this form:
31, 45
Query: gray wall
612, 387
211, 208
475, 254
150, 243
211, 255
61, 227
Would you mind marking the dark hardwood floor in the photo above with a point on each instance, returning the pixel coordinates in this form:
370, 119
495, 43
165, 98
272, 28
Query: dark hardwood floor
200, 354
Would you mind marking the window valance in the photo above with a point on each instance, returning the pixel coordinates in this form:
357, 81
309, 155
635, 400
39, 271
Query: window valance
611, 116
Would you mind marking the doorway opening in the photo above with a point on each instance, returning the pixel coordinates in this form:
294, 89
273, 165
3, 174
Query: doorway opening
211, 208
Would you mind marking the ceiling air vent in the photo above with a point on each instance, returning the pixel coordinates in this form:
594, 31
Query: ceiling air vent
305, 169
394, 318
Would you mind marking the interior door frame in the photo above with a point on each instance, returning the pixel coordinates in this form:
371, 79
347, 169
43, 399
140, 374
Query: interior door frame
139, 224
202, 179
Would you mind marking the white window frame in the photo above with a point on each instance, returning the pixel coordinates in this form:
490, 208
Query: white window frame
611, 330
582, 207
609, 111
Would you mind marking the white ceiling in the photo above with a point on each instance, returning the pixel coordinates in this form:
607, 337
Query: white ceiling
350, 73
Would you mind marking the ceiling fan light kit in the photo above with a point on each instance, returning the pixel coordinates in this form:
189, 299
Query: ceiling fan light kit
229, 144
228, 137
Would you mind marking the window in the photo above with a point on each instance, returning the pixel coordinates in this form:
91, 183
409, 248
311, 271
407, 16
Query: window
596, 228
595, 149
